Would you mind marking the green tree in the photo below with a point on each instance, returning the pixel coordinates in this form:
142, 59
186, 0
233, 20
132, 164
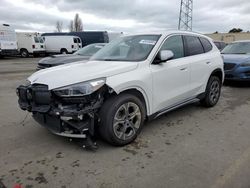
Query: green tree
235, 30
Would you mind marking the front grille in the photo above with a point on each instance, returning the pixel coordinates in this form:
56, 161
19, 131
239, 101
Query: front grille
229, 66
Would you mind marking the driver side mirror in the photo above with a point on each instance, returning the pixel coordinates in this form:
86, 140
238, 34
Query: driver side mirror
163, 56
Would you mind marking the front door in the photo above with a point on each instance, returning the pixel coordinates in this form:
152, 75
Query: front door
171, 79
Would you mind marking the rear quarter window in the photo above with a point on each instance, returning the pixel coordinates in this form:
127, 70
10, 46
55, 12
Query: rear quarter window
206, 44
193, 45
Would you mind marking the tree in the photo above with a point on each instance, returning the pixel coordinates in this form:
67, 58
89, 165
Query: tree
76, 24
216, 32
71, 26
235, 30
59, 26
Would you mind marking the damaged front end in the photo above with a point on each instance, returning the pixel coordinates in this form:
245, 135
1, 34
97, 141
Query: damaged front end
70, 111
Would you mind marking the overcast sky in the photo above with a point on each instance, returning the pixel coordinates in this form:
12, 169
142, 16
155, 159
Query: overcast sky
124, 15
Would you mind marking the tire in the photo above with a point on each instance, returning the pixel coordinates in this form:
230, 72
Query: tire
213, 91
117, 127
64, 51
24, 53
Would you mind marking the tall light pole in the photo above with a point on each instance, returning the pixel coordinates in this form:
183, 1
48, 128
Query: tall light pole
186, 14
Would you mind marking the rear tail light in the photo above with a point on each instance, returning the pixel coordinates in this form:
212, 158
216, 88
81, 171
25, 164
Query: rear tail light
72, 46
33, 46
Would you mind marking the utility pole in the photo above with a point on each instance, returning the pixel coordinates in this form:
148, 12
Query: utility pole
186, 14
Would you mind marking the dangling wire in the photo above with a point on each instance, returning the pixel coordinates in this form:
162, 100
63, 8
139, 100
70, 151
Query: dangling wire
23, 121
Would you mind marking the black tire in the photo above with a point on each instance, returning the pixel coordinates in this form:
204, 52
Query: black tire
64, 51
213, 91
111, 109
24, 53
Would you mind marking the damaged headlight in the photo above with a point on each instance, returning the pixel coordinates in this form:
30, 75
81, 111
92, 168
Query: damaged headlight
80, 89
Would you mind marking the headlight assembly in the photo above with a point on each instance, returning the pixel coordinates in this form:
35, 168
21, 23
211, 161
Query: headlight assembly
80, 89
246, 64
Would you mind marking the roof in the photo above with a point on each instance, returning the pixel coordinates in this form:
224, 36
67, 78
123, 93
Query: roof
167, 32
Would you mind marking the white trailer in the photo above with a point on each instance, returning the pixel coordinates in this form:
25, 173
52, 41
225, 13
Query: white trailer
8, 42
62, 44
30, 44
114, 35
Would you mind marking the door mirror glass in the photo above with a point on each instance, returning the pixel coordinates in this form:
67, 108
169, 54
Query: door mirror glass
163, 56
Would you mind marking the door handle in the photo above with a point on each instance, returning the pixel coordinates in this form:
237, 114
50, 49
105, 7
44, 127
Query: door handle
208, 62
184, 68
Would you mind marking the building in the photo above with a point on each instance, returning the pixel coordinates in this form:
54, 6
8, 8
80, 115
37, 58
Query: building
229, 37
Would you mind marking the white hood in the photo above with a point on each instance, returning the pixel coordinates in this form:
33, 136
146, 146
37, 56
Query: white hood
72, 73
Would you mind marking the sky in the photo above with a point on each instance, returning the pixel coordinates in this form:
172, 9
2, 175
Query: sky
124, 15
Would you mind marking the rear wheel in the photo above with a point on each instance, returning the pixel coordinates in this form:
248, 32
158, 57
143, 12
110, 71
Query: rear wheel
64, 51
213, 92
24, 53
122, 118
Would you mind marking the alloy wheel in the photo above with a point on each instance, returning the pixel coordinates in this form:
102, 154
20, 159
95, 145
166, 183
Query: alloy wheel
127, 121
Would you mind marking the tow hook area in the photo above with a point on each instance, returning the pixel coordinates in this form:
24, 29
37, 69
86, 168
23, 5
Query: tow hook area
89, 143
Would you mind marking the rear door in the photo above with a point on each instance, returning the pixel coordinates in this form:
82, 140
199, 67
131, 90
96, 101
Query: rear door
171, 78
199, 62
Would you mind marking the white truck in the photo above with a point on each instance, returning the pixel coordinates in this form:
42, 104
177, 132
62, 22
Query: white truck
30, 44
62, 44
8, 43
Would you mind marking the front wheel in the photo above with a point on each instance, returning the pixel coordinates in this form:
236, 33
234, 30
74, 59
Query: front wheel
122, 118
213, 91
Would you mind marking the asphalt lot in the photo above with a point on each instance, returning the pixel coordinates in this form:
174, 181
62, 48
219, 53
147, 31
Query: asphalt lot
191, 147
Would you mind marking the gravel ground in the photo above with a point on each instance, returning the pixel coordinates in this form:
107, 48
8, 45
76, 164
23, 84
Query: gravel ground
190, 147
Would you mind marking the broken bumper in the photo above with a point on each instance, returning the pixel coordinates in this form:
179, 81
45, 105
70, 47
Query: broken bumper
72, 118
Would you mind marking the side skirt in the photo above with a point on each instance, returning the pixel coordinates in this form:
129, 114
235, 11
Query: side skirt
171, 108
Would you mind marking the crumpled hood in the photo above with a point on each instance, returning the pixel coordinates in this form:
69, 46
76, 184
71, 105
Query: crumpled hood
236, 58
61, 59
72, 73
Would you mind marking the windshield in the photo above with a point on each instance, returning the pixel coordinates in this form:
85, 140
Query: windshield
89, 50
129, 48
237, 48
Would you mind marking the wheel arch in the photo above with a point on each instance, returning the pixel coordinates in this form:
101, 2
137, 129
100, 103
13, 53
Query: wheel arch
219, 73
21, 49
138, 92
63, 49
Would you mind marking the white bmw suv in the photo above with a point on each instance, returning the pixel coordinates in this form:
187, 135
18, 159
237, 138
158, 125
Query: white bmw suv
132, 79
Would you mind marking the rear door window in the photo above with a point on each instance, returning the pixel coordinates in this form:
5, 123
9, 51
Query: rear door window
193, 45
36, 39
175, 44
206, 44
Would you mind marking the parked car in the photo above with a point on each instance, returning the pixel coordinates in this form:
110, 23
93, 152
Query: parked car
83, 54
8, 42
62, 44
30, 44
134, 78
87, 37
220, 45
237, 61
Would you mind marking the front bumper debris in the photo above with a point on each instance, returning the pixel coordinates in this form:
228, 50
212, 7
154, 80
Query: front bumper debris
69, 117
